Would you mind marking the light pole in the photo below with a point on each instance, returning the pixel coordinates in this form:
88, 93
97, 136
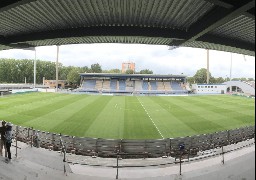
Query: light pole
230, 90
57, 69
35, 69
208, 77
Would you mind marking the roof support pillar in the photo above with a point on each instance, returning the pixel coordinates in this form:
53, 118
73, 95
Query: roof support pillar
57, 69
208, 77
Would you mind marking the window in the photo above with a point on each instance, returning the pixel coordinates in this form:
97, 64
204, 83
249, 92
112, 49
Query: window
198, 86
211, 86
215, 86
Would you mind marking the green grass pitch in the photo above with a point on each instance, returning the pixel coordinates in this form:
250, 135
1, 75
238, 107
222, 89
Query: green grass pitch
127, 117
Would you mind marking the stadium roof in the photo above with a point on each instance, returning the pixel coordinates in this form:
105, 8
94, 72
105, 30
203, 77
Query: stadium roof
226, 25
125, 76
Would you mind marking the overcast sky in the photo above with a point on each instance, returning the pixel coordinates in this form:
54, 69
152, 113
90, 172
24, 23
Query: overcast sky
154, 57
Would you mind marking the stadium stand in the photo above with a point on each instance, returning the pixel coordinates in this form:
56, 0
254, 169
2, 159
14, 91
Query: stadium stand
89, 84
193, 145
38, 163
149, 86
122, 85
106, 85
160, 86
187, 87
247, 88
138, 85
132, 84
98, 85
145, 86
153, 85
113, 84
167, 85
176, 86
252, 83
129, 85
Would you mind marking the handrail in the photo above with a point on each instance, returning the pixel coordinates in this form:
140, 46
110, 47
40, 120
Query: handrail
98, 147
63, 150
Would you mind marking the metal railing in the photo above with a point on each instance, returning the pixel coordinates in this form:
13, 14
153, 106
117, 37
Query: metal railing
154, 148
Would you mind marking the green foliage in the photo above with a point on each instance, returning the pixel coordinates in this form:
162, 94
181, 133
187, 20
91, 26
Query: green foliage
146, 71
85, 69
191, 80
243, 79
219, 80
116, 71
15, 71
73, 76
201, 76
96, 68
129, 71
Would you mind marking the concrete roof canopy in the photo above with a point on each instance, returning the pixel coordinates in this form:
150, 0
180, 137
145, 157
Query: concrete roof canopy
225, 25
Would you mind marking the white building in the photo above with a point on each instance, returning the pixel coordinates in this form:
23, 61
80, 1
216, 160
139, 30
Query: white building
209, 88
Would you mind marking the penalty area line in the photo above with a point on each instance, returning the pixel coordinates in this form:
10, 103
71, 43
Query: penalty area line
151, 119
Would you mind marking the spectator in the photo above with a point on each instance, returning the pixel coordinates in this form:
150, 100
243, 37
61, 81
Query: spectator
2, 141
8, 138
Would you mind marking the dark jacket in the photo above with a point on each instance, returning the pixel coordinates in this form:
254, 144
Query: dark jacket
2, 131
8, 134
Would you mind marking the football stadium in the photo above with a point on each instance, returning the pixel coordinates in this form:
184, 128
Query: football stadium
128, 125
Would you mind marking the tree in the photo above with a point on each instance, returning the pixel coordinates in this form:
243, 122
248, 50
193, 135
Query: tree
46, 69
146, 71
116, 71
129, 71
85, 69
73, 76
235, 79
201, 76
191, 80
96, 68
220, 80
243, 79
64, 71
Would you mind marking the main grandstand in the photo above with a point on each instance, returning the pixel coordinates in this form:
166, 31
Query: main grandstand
133, 83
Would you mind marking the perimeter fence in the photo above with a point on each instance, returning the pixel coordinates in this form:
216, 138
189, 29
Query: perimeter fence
190, 146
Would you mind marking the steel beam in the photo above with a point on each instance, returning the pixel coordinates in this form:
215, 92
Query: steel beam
217, 17
99, 31
5, 5
220, 3
227, 42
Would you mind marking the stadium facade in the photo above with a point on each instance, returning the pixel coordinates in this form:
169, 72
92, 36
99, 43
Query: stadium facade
133, 83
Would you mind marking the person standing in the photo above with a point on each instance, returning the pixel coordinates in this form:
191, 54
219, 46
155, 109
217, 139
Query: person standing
8, 140
2, 141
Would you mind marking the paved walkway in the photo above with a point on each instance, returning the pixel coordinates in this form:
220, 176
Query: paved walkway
33, 163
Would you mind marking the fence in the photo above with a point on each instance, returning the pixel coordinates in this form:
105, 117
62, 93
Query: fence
191, 146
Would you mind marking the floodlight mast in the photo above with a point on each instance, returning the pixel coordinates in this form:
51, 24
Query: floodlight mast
35, 70
208, 77
230, 90
57, 69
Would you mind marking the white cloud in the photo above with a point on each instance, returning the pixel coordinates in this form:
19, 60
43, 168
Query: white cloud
154, 57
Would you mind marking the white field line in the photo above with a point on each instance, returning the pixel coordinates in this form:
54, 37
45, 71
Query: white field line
150, 118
